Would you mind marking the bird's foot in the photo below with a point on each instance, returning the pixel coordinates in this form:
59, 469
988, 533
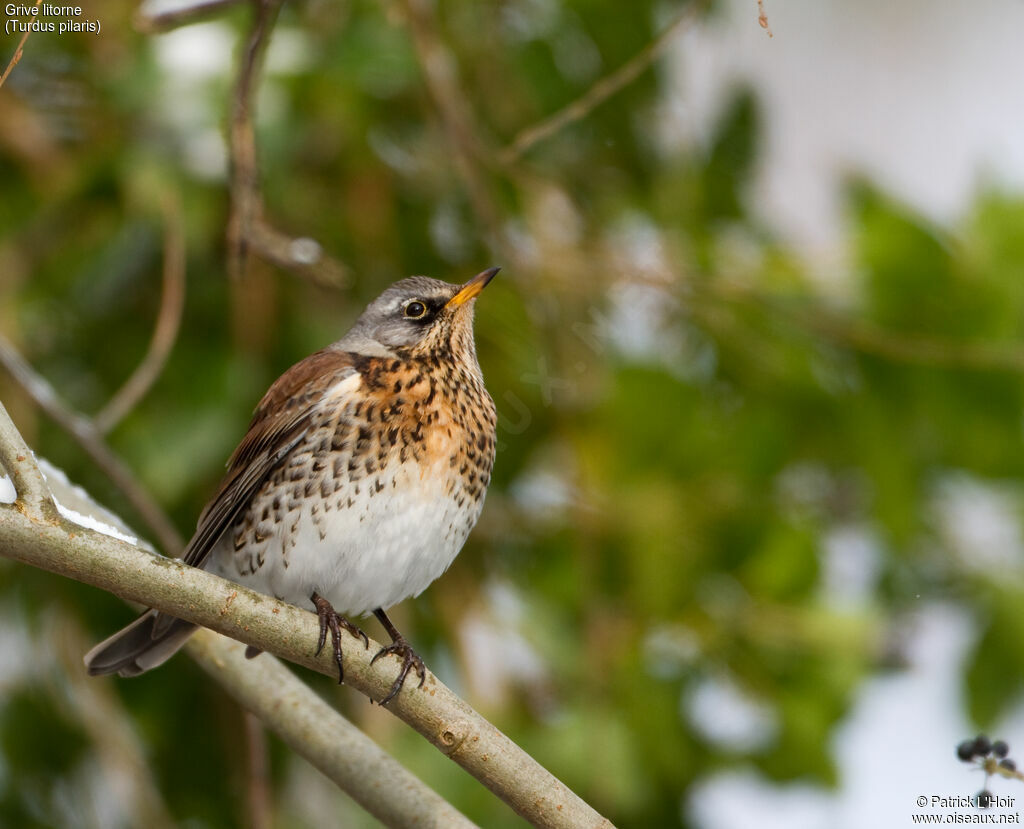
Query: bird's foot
330, 620
410, 659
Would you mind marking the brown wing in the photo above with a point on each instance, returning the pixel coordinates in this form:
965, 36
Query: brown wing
280, 422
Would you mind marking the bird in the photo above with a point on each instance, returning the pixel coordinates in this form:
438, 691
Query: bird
362, 473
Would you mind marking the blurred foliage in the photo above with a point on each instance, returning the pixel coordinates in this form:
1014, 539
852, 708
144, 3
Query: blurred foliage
691, 432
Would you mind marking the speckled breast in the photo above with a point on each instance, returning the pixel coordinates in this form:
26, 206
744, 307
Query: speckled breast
380, 496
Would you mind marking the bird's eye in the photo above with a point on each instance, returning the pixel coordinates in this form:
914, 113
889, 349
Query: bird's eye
414, 310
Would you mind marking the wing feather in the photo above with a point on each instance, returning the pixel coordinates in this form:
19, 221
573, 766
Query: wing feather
282, 420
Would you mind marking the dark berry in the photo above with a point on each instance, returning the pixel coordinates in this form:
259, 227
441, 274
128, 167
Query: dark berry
1000, 748
965, 751
985, 799
982, 746
1008, 764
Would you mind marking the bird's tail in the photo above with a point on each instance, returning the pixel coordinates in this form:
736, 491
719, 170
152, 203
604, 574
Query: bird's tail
149, 641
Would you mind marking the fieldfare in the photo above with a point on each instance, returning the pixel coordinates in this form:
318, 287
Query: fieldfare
362, 473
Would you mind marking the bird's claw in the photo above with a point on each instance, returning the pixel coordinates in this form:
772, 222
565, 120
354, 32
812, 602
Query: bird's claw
410, 659
330, 620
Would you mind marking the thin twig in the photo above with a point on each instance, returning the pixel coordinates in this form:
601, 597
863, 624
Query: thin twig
17, 461
247, 230
92, 442
257, 768
301, 255
172, 302
600, 92
869, 338
273, 626
16, 58
762, 18
913, 348
455, 114
246, 201
151, 24
98, 709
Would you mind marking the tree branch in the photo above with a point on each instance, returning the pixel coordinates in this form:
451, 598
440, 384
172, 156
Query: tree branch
267, 689
19, 50
314, 730
248, 231
450, 724
172, 303
152, 24
599, 92
97, 707
867, 337
17, 460
301, 255
92, 442
454, 113
246, 203
259, 810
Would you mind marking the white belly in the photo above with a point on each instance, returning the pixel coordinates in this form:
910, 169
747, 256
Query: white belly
401, 532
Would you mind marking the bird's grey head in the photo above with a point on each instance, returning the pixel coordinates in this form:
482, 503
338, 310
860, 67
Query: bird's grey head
417, 315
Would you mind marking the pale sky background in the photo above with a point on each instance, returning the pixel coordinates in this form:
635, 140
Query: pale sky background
926, 97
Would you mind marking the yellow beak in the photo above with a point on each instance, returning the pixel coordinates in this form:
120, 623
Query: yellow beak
472, 288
